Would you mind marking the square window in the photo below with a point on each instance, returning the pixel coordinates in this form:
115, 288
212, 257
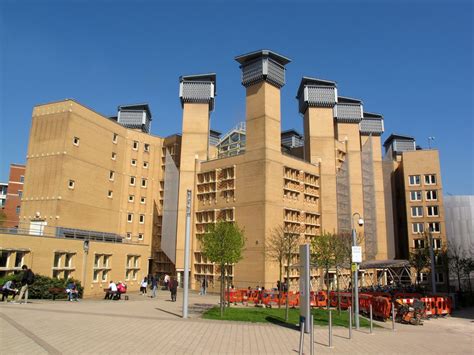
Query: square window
418, 227
145, 165
135, 145
132, 180
147, 147
142, 200
431, 195
140, 236
76, 141
111, 175
142, 218
415, 195
114, 156
419, 243
129, 235
131, 198
134, 162
110, 193
430, 179
434, 227
433, 211
417, 211
71, 184
144, 182
115, 138
130, 217
414, 179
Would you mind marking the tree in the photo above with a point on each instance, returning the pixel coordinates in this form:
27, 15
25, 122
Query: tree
223, 245
455, 260
323, 253
467, 266
3, 217
342, 257
420, 258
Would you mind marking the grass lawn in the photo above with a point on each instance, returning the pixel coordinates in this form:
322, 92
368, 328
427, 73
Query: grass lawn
275, 315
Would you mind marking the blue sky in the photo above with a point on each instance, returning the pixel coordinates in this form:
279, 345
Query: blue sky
409, 60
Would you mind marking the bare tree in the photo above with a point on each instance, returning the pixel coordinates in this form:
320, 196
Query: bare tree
455, 260
420, 257
323, 253
342, 258
275, 249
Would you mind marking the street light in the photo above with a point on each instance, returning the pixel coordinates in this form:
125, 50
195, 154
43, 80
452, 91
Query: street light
356, 259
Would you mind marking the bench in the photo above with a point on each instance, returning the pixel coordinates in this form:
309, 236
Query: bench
56, 291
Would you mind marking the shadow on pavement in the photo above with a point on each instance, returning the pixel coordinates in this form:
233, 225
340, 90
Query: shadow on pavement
281, 323
164, 310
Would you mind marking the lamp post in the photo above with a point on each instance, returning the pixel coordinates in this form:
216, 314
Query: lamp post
432, 259
356, 259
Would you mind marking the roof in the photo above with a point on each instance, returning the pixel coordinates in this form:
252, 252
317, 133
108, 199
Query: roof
142, 106
372, 115
201, 77
379, 264
394, 136
244, 58
291, 132
348, 100
215, 133
306, 80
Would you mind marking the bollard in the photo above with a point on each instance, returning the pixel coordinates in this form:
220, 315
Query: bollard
312, 336
330, 329
350, 322
300, 352
393, 316
371, 319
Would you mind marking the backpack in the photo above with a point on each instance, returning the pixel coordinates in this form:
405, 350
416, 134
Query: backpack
30, 277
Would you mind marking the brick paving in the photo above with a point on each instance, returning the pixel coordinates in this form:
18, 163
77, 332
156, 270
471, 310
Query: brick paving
144, 325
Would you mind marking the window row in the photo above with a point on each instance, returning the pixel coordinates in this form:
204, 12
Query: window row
430, 195
135, 145
131, 198
421, 244
129, 236
423, 277
11, 259
434, 227
130, 218
431, 211
429, 179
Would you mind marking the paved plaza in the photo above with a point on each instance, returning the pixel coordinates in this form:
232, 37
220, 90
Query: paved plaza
145, 325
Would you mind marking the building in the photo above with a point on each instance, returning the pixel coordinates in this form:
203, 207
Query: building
3, 194
109, 199
14, 195
417, 200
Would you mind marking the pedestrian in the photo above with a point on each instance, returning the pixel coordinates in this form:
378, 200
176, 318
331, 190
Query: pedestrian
203, 287
9, 289
154, 286
26, 280
166, 281
143, 286
173, 287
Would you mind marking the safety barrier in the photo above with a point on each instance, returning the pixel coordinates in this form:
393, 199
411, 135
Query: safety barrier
381, 307
430, 306
365, 300
321, 299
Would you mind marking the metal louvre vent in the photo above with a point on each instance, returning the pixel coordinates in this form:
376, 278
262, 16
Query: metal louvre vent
343, 194
197, 91
134, 120
263, 69
276, 73
371, 126
321, 96
349, 113
252, 73
368, 187
403, 145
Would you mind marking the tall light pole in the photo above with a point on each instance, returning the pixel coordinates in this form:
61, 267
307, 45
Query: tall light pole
186, 254
432, 258
356, 259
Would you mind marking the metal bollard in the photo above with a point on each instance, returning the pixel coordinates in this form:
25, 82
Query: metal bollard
393, 316
330, 328
300, 352
371, 319
350, 322
312, 336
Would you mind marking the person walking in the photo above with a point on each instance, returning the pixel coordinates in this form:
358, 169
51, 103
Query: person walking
203, 287
173, 287
26, 280
143, 286
154, 286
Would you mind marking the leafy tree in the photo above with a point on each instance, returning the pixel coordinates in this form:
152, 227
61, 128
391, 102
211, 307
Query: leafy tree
420, 258
223, 245
342, 244
323, 253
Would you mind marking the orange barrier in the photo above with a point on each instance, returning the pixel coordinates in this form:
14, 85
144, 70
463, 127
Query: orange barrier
365, 301
293, 299
346, 299
443, 305
381, 307
430, 306
321, 299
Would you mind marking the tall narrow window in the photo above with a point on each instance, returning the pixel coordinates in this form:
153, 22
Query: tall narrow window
130, 217
144, 182
115, 138
110, 194
76, 141
114, 156
142, 218
147, 147
111, 175
135, 145
132, 180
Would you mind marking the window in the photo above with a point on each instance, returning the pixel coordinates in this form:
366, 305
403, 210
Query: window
97, 260
414, 179
418, 227
436, 244
57, 274
145, 165
17, 210
134, 162
132, 180
134, 274
75, 141
110, 193
439, 277
22, 178
114, 156
140, 236
106, 260
130, 217
20, 194
431, 195
419, 243
115, 138
422, 277
4, 255
430, 179
142, 218
144, 183
142, 200
68, 260
129, 235
131, 198
135, 145
19, 259
415, 195
417, 211
96, 275
135, 261
147, 147
57, 260
434, 227
127, 274
111, 175
433, 211
71, 184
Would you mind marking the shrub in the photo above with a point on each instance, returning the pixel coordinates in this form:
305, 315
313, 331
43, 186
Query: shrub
39, 289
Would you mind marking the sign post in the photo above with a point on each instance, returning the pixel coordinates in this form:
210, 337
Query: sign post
305, 308
356, 259
186, 254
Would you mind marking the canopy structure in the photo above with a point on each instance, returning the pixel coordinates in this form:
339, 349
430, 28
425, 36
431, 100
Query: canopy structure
397, 270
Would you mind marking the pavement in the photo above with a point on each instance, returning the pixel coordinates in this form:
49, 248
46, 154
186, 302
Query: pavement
145, 325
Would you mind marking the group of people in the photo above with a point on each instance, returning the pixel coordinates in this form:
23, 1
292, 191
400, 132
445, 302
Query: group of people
11, 288
115, 290
152, 282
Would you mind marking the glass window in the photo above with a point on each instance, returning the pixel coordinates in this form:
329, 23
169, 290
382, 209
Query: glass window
75, 141
433, 211
114, 156
145, 165
419, 243
115, 138
106, 260
422, 277
135, 145
414, 179
20, 194
22, 178
96, 275
4, 258
430, 179
144, 182
434, 227
131, 198
71, 184
17, 210
417, 211
132, 180
147, 147
134, 274
436, 244
439, 277
19, 258
130, 217
68, 260
57, 260
415, 195
431, 195
97, 260
418, 227
111, 175
57, 274
136, 260
142, 218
